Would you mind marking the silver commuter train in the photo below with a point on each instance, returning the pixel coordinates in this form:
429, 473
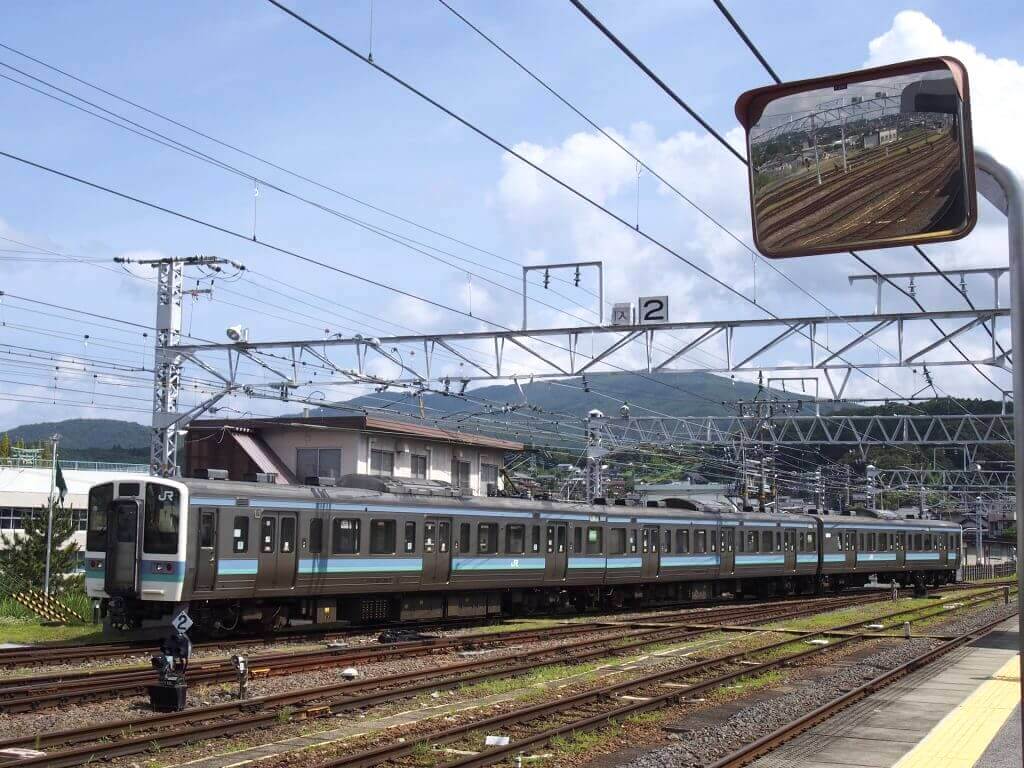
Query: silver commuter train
380, 549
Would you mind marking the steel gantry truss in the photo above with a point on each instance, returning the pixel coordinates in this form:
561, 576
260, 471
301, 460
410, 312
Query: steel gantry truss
860, 431
947, 479
736, 346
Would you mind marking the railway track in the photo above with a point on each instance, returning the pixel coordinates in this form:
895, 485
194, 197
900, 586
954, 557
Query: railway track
596, 708
138, 735
39, 691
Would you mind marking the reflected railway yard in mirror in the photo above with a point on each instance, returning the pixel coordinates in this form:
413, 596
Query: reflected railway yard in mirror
864, 163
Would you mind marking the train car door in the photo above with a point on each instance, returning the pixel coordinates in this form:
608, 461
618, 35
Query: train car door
650, 551
556, 562
121, 572
276, 568
726, 550
206, 550
437, 550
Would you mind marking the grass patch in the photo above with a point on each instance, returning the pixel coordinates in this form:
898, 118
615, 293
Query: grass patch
746, 685
524, 625
578, 742
539, 676
30, 630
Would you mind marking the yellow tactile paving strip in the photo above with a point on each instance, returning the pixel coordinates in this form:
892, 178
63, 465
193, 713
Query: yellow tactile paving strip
962, 736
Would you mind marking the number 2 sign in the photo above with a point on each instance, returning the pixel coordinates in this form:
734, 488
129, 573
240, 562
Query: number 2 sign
652, 309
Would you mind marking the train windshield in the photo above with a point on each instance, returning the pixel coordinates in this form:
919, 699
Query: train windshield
163, 513
100, 499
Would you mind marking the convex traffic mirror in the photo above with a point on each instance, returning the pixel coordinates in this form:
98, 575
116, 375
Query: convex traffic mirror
870, 159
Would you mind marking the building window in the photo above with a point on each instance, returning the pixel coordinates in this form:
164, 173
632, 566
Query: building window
317, 462
418, 466
11, 519
460, 474
489, 475
80, 519
382, 537
382, 463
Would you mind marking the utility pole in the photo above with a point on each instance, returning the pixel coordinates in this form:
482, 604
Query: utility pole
49, 512
595, 452
163, 453
981, 541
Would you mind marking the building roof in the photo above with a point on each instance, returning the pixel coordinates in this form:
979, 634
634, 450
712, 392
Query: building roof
363, 424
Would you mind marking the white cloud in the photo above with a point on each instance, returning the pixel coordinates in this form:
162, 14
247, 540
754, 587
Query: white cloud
996, 108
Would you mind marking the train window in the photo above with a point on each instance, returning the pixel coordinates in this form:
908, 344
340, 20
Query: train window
700, 541
927, 542
382, 537
751, 541
100, 498
632, 541
560, 532
741, 545
766, 541
551, 538
345, 536
667, 544
682, 541
617, 541
163, 511
803, 542
778, 541
535, 539
268, 532
728, 535
515, 539
811, 538
240, 535
206, 528
429, 532
645, 539
410, 536
127, 489
577, 539
595, 543
487, 538
917, 542
464, 537
316, 536
287, 534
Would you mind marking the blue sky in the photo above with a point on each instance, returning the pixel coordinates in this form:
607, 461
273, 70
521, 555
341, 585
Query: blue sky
246, 73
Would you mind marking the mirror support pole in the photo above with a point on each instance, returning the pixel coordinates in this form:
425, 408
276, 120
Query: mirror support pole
995, 178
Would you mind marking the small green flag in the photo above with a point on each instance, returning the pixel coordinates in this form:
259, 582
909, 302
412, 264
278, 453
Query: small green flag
62, 487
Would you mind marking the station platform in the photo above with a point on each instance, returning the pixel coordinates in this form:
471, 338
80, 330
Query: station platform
963, 711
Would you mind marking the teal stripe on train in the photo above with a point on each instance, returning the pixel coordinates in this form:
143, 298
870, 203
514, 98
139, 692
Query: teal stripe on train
876, 557
834, 557
761, 559
923, 555
237, 567
806, 558
360, 565
691, 561
624, 562
586, 562
497, 563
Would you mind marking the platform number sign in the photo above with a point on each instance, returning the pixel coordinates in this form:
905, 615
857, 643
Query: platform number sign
652, 309
182, 622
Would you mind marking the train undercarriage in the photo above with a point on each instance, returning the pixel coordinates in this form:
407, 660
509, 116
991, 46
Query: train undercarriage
225, 617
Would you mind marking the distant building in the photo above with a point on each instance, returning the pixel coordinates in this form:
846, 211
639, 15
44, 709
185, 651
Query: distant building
880, 137
301, 450
25, 491
693, 487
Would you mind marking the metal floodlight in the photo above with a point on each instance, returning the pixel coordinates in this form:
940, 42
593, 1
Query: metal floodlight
237, 333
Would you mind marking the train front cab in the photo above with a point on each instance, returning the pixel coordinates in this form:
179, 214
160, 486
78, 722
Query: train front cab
135, 548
